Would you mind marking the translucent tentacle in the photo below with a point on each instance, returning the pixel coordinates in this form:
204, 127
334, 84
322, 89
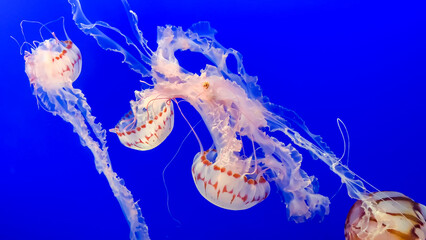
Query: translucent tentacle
298, 190
64, 103
133, 19
355, 187
106, 42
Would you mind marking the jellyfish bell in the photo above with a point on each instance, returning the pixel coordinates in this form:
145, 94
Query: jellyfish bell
226, 186
53, 64
147, 125
386, 216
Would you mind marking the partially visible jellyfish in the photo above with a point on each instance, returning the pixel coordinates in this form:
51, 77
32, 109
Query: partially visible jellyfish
386, 216
52, 66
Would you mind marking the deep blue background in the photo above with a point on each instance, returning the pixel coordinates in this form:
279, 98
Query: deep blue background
360, 61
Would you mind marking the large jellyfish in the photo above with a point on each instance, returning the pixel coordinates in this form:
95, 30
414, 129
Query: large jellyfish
52, 66
247, 156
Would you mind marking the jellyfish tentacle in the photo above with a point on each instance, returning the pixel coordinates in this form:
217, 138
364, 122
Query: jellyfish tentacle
192, 128
133, 20
64, 105
106, 42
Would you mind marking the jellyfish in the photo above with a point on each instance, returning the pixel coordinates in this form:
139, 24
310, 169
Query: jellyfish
52, 66
386, 215
144, 128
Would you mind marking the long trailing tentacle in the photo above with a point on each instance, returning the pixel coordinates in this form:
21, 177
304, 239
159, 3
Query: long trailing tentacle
70, 104
106, 42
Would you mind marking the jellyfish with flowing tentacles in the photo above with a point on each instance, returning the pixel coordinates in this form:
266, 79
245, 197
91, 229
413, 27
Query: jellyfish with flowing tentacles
52, 66
247, 155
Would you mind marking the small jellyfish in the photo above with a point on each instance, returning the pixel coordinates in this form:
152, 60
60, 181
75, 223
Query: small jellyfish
54, 64
386, 216
147, 125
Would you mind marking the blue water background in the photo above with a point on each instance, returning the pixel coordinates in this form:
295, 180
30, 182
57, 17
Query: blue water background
359, 61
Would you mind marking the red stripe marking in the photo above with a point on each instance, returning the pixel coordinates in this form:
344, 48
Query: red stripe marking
233, 197
243, 198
